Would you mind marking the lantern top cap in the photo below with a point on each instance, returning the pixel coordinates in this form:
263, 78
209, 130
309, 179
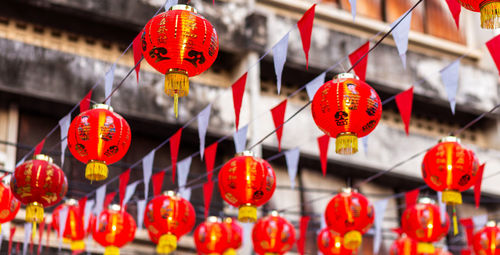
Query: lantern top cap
114, 207
426, 200
275, 213
43, 157
228, 220
491, 223
71, 201
349, 190
102, 106
183, 7
245, 153
449, 139
170, 193
343, 76
213, 219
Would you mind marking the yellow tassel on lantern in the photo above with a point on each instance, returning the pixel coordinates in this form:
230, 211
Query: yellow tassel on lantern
176, 85
427, 248
111, 250
77, 245
247, 213
352, 240
346, 144
455, 223
230, 251
490, 14
166, 244
34, 212
271, 253
96, 170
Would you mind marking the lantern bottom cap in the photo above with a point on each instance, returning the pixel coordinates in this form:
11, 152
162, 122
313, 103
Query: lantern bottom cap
96, 170
452, 197
425, 248
78, 245
34, 212
167, 244
176, 85
247, 213
490, 14
271, 253
230, 251
346, 144
112, 250
352, 240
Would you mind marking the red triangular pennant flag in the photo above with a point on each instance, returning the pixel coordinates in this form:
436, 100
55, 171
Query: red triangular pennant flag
398, 231
85, 103
11, 237
323, 142
175, 140
477, 185
305, 25
455, 9
304, 221
81, 205
238, 90
208, 188
210, 153
136, 46
108, 199
494, 48
41, 227
49, 229
39, 147
278, 113
411, 197
158, 182
465, 252
468, 224
404, 101
124, 178
360, 68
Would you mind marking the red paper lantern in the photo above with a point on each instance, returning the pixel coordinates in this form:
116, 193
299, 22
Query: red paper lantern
115, 229
180, 44
74, 230
247, 182
98, 137
273, 235
422, 222
489, 9
487, 240
211, 237
167, 218
235, 234
38, 183
440, 251
9, 205
350, 214
331, 243
346, 108
403, 246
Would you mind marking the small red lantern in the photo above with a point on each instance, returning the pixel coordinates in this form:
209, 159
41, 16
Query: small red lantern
180, 44
487, 240
167, 218
422, 222
235, 234
211, 237
403, 246
98, 137
74, 229
115, 229
489, 9
346, 108
350, 214
273, 235
247, 182
9, 205
331, 243
38, 183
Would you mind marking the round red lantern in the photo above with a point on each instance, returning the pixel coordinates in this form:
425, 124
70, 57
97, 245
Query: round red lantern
74, 230
180, 44
331, 243
247, 182
167, 218
489, 9
350, 214
346, 108
9, 205
38, 183
98, 137
422, 222
211, 237
235, 234
487, 240
115, 229
273, 235
403, 246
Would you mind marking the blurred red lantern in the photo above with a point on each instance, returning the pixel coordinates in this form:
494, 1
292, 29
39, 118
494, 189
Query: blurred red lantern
9, 205
211, 237
403, 246
273, 234
235, 234
440, 251
350, 214
98, 137
180, 44
487, 240
38, 183
247, 182
489, 9
167, 218
74, 230
346, 108
115, 229
422, 222
331, 243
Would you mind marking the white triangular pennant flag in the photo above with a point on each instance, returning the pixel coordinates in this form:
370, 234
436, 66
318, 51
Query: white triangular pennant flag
169, 4
108, 83
353, 9
63, 216
480, 220
380, 207
364, 141
99, 200
129, 191
141, 206
449, 76
400, 35
279, 56
185, 193
147, 170
292, 163
87, 211
314, 85
64, 126
183, 167
203, 119
240, 139
27, 235
442, 207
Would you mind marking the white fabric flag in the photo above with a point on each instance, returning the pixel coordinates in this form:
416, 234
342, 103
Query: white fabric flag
480, 220
203, 119
279, 56
240, 139
27, 236
183, 167
64, 126
141, 206
129, 192
353, 9
442, 206
364, 141
185, 193
449, 76
315, 84
108, 83
169, 4
99, 200
87, 211
147, 169
292, 163
380, 207
63, 216
400, 35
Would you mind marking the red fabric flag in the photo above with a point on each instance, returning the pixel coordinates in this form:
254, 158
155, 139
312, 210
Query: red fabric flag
81, 205
208, 188
11, 237
411, 197
238, 90
398, 231
468, 224
39, 147
304, 221
124, 178
49, 229
455, 9
278, 113
404, 101
41, 227
158, 182
494, 48
465, 252
210, 153
136, 46
323, 142
108, 199
305, 25
175, 140
360, 68
477, 185
85, 103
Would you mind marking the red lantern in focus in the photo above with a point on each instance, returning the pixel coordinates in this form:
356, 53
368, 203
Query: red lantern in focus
273, 235
346, 108
350, 214
115, 229
235, 234
180, 44
487, 240
74, 230
211, 237
331, 243
38, 183
98, 137
247, 182
422, 222
403, 246
489, 9
9, 205
167, 218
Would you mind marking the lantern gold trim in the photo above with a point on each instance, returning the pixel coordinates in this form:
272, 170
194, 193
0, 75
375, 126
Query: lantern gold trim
346, 143
166, 244
176, 85
247, 213
96, 170
490, 14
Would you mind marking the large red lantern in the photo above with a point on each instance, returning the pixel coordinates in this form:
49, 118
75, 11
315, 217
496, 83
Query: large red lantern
422, 222
180, 44
115, 229
235, 235
211, 237
74, 230
487, 240
351, 215
489, 9
331, 243
98, 137
403, 246
167, 218
247, 182
38, 183
346, 108
9, 205
273, 235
